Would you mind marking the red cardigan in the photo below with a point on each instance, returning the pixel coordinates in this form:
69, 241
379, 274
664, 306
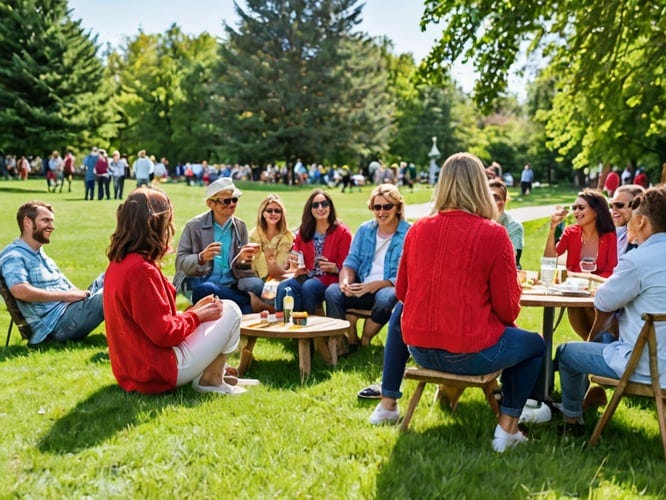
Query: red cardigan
458, 281
336, 249
142, 325
571, 242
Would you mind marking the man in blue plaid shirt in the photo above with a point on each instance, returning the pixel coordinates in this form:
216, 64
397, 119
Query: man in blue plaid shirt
54, 308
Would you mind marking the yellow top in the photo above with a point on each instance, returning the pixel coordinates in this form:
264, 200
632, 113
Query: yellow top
279, 246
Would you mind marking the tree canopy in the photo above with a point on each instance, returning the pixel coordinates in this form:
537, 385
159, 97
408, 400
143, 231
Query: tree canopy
50, 77
605, 57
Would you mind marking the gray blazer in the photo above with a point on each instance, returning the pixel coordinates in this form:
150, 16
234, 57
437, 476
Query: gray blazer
197, 235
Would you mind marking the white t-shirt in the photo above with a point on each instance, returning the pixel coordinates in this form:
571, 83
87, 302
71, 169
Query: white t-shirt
377, 270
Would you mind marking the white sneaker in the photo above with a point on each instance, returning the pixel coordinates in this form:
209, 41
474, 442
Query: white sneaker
383, 416
502, 440
535, 412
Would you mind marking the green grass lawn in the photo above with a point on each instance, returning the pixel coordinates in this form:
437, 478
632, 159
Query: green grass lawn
69, 431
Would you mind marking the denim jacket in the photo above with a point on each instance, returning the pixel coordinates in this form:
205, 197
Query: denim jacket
362, 251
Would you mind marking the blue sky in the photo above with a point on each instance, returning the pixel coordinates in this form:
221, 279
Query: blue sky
112, 20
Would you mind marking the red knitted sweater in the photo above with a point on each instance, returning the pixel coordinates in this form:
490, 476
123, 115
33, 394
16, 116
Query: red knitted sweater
458, 281
142, 325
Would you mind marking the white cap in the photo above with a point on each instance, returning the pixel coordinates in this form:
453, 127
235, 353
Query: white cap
222, 184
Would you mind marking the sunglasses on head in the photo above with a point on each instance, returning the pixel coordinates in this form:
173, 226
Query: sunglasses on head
322, 204
617, 204
272, 211
578, 207
386, 207
225, 201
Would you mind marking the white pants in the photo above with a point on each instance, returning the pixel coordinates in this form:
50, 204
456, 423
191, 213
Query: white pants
207, 342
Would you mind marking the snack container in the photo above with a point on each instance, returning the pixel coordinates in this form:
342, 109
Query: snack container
299, 318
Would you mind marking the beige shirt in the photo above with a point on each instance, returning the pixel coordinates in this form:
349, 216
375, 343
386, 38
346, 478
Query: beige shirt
280, 245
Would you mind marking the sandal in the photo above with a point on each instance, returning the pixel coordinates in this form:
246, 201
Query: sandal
373, 391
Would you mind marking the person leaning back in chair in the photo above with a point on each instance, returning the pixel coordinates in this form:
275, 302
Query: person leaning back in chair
637, 286
213, 253
53, 307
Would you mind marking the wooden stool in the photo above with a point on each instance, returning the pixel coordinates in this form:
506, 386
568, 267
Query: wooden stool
353, 315
451, 387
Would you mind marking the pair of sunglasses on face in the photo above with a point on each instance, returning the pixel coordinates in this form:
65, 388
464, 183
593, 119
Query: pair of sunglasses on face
271, 211
386, 207
322, 204
225, 201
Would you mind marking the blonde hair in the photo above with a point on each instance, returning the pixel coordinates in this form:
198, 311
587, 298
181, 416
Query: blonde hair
391, 193
262, 225
463, 185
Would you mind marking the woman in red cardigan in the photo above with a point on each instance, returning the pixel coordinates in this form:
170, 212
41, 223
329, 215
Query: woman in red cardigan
324, 243
458, 282
592, 236
154, 348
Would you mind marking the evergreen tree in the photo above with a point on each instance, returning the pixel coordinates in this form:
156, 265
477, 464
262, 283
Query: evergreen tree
49, 77
296, 82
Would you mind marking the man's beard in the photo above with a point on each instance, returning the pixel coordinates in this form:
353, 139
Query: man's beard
39, 235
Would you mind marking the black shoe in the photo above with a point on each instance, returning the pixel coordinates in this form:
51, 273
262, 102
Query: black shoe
373, 391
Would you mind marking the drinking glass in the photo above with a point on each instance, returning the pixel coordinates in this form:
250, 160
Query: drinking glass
588, 265
548, 267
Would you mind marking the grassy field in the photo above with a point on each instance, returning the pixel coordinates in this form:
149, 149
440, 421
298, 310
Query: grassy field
69, 431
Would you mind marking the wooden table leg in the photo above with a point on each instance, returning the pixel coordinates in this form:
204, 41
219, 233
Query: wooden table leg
333, 349
304, 357
322, 345
246, 347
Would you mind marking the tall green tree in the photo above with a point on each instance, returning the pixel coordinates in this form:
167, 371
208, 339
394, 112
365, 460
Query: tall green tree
297, 82
163, 93
606, 56
49, 77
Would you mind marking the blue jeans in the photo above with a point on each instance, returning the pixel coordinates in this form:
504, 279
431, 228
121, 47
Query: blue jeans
82, 317
251, 284
518, 353
90, 189
307, 296
381, 302
576, 360
396, 355
223, 292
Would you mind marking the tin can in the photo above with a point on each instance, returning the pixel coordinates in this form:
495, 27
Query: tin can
300, 259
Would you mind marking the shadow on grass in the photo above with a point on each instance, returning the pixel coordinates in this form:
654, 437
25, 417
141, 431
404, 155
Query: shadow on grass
24, 349
106, 412
453, 459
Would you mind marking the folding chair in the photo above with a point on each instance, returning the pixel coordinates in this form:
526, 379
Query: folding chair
14, 313
624, 386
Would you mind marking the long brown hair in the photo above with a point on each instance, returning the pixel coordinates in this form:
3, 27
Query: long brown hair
144, 224
309, 223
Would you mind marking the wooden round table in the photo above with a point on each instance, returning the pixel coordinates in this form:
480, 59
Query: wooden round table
321, 330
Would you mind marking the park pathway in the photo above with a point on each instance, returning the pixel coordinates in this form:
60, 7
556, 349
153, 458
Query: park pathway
522, 214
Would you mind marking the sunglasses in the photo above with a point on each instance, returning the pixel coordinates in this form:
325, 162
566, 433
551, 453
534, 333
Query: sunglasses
226, 201
322, 204
386, 207
272, 211
578, 207
617, 204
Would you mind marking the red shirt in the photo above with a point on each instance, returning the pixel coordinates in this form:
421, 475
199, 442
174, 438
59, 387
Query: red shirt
458, 281
142, 325
571, 242
336, 249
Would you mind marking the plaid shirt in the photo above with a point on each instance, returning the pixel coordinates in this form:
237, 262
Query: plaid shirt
22, 264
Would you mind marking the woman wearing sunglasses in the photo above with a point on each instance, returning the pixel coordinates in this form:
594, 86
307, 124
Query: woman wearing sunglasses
591, 238
367, 278
323, 243
274, 238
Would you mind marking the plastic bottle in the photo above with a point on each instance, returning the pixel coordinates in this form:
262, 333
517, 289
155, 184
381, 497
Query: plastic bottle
287, 304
